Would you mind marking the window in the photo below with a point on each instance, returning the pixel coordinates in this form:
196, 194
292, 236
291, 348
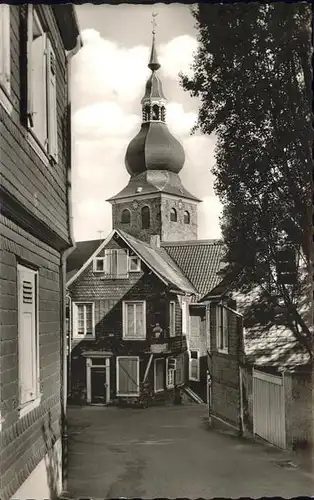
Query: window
170, 370
83, 320
128, 375
146, 113
186, 217
134, 320
155, 112
5, 47
163, 113
126, 216
172, 319
28, 342
173, 215
194, 365
159, 375
145, 217
222, 328
134, 263
41, 85
114, 264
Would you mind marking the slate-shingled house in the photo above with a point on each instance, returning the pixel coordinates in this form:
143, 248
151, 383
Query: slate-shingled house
35, 161
135, 323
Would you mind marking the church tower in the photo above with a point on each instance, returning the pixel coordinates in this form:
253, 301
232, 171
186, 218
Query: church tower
154, 203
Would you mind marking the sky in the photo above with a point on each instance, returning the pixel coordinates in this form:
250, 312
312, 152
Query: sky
108, 81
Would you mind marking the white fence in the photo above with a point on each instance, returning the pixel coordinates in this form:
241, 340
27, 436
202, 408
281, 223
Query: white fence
269, 408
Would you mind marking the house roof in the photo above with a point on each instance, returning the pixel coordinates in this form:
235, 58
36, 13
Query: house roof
82, 252
199, 260
155, 258
272, 344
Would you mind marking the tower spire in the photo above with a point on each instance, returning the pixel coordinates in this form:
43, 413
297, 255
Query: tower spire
153, 62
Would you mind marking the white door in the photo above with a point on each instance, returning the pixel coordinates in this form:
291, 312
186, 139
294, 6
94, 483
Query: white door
269, 408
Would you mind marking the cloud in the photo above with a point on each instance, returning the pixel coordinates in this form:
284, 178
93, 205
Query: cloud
209, 212
177, 55
108, 82
104, 119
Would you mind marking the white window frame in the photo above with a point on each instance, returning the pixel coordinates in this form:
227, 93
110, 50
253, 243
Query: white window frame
197, 379
75, 320
95, 270
48, 149
171, 372
137, 373
222, 329
172, 319
30, 405
155, 374
124, 319
5, 49
133, 258
185, 317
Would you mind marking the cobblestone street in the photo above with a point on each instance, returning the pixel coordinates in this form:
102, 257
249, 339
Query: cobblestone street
169, 452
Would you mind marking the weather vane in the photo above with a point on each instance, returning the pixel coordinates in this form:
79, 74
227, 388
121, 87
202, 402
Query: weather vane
154, 23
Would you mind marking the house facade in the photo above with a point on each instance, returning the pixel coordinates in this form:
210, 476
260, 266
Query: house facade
132, 296
260, 376
35, 235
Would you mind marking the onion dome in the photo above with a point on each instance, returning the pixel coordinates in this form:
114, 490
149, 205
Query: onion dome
154, 147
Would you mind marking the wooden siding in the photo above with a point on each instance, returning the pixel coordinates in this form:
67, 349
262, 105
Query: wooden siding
38, 187
24, 441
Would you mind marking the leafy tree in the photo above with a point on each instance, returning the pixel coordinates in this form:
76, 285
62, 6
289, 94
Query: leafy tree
252, 75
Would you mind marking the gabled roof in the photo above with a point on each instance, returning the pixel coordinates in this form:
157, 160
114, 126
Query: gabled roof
200, 260
83, 250
155, 258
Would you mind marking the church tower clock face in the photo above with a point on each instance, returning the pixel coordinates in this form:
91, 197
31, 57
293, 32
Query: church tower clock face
135, 205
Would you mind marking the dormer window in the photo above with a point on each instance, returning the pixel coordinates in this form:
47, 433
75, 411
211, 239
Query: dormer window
155, 112
114, 264
134, 264
186, 217
145, 217
126, 216
173, 215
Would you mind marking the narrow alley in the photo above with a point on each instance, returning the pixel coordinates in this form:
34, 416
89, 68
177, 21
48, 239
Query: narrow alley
170, 452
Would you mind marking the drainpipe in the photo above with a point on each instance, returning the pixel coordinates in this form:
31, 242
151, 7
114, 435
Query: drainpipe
64, 256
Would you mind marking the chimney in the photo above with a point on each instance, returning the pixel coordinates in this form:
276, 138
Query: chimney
155, 240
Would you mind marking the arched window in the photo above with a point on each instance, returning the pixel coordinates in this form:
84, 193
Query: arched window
147, 113
173, 215
155, 112
163, 113
126, 216
186, 217
145, 217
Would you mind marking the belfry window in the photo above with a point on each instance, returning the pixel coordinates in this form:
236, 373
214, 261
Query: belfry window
126, 216
163, 114
156, 112
146, 113
173, 215
145, 217
186, 217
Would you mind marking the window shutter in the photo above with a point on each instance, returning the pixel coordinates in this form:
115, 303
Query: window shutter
122, 262
208, 328
218, 326
74, 319
5, 46
128, 380
52, 103
225, 328
27, 303
29, 39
